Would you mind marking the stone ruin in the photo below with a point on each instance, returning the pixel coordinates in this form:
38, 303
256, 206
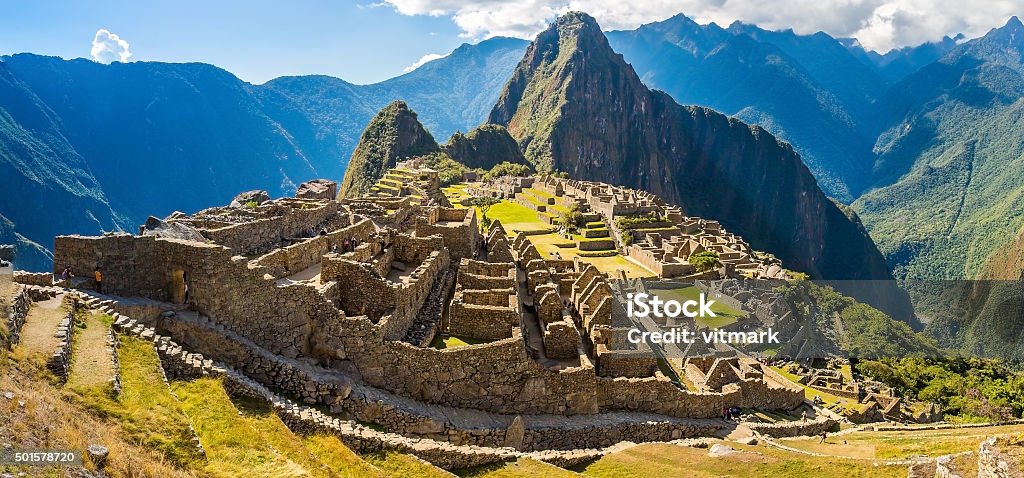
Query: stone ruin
342, 304
6, 255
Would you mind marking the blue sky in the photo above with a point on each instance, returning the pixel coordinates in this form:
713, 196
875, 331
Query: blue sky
365, 41
256, 40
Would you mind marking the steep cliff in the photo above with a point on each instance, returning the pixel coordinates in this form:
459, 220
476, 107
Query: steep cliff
484, 147
393, 134
574, 105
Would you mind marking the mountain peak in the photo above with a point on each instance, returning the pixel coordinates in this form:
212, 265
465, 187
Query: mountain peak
393, 134
1014, 24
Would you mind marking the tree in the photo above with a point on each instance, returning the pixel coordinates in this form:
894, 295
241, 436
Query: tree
572, 219
483, 203
705, 260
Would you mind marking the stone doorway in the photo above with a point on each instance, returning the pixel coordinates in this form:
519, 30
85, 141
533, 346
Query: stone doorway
179, 286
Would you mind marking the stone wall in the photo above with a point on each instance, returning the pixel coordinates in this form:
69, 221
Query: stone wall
993, 462
458, 228
561, 340
34, 278
297, 257
221, 285
483, 314
16, 313
289, 220
625, 363
795, 428
60, 361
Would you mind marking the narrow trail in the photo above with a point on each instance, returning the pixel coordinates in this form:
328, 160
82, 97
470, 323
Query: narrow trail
37, 335
92, 360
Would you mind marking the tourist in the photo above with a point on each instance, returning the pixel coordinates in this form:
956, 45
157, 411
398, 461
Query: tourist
344, 245
823, 435
65, 277
803, 416
99, 280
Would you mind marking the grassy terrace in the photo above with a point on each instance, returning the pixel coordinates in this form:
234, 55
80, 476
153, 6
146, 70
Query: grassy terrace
515, 217
725, 314
830, 400
896, 445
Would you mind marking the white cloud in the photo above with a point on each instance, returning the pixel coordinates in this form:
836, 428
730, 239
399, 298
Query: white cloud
423, 59
108, 47
877, 24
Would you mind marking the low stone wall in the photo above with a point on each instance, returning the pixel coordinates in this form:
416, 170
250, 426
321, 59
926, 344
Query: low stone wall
796, 428
60, 361
113, 343
595, 245
17, 311
994, 463
33, 278
475, 315
662, 269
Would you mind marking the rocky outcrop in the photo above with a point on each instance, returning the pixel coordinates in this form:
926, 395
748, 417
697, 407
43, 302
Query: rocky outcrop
394, 133
484, 147
574, 105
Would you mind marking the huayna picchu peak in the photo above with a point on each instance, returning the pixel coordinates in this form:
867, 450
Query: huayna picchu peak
576, 106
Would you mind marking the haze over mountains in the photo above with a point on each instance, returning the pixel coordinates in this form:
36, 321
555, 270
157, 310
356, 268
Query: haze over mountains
927, 136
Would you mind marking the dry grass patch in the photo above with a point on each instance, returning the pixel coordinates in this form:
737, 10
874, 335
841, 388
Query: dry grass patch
339, 458
664, 460
400, 465
522, 468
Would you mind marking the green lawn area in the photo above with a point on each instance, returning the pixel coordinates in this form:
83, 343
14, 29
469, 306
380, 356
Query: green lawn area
903, 444
516, 217
146, 411
725, 314
666, 460
441, 342
521, 468
809, 392
539, 193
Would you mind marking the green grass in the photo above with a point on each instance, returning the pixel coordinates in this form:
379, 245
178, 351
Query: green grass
516, 217
664, 460
451, 342
810, 393
521, 468
725, 314
897, 445
339, 458
399, 465
146, 411
249, 440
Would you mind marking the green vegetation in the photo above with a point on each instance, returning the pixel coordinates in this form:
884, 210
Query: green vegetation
661, 460
484, 147
572, 219
705, 261
869, 333
451, 341
146, 411
506, 169
397, 465
448, 170
972, 389
393, 134
339, 458
634, 222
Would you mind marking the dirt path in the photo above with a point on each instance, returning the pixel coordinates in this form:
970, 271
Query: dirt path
37, 336
92, 361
